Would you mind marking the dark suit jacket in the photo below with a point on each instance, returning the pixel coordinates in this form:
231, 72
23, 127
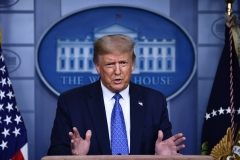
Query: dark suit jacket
83, 108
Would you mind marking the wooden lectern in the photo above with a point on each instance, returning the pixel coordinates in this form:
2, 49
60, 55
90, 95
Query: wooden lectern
130, 157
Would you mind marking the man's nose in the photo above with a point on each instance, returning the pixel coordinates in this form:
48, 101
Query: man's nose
117, 69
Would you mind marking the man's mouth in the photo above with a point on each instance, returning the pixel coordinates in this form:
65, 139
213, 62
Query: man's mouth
117, 81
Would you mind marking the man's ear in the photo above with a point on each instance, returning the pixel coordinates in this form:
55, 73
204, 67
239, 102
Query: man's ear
97, 66
133, 65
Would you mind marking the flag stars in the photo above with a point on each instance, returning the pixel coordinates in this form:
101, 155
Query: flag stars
18, 119
238, 111
228, 110
17, 109
9, 82
3, 81
207, 116
10, 94
3, 145
1, 107
2, 58
2, 94
16, 131
8, 120
3, 69
221, 111
6, 132
12, 128
9, 107
214, 113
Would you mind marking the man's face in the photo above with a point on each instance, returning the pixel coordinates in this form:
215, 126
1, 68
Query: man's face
115, 70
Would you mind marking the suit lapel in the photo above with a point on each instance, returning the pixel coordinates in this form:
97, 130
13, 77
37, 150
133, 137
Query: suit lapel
98, 115
136, 118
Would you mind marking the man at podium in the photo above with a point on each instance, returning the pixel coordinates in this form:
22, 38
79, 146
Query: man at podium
113, 116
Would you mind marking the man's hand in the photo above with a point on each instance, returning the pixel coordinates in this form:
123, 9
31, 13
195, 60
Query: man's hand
79, 146
169, 146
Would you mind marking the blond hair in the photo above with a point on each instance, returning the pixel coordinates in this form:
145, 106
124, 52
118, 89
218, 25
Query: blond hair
110, 43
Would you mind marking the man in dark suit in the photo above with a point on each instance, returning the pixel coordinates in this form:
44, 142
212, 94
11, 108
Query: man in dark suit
85, 116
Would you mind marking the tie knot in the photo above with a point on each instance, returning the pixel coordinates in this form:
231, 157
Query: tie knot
117, 96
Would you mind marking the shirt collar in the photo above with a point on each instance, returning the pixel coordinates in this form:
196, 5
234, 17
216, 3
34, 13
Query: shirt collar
107, 94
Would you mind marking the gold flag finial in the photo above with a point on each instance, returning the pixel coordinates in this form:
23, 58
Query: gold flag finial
229, 6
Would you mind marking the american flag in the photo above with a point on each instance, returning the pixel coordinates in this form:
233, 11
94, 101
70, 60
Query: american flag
218, 114
13, 134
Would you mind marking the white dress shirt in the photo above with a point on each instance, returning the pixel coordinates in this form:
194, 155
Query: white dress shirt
125, 104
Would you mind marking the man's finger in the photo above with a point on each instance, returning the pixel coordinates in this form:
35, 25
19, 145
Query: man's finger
71, 135
73, 144
160, 136
179, 140
88, 135
180, 147
76, 133
176, 136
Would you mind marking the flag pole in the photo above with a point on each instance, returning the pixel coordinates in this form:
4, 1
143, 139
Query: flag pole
230, 14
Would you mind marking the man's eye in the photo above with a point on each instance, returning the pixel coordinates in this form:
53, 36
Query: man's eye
123, 63
109, 64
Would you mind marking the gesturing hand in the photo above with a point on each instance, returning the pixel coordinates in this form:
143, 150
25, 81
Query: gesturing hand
169, 146
79, 146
